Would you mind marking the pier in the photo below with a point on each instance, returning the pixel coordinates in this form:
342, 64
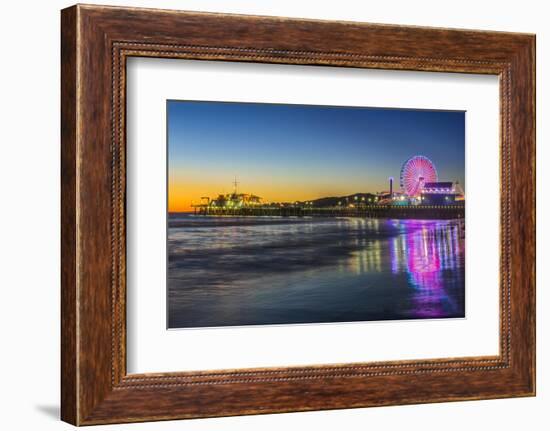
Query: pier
367, 211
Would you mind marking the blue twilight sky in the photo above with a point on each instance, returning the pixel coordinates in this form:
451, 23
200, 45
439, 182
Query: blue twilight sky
300, 152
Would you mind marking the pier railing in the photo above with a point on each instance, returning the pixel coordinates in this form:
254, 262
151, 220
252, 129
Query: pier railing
370, 211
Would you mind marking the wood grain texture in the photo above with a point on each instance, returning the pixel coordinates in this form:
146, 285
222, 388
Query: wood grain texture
96, 41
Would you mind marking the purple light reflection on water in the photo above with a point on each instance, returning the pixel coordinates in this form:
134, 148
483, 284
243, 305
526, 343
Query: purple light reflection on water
429, 248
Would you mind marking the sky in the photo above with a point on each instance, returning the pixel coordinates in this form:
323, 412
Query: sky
286, 153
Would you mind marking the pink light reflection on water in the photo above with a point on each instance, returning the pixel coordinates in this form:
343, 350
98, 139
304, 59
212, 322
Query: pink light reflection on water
426, 250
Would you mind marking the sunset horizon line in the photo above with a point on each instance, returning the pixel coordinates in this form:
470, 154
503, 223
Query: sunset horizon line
190, 207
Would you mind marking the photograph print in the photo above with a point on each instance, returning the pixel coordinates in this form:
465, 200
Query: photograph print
284, 214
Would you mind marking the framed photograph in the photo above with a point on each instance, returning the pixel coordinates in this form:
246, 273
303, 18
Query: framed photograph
267, 215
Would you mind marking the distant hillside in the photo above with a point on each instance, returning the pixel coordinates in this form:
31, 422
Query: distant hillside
343, 200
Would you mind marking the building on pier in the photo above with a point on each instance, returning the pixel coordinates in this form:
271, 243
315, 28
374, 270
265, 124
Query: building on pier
438, 193
236, 200
233, 200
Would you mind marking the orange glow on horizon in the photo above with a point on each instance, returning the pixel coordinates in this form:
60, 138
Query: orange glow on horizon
182, 195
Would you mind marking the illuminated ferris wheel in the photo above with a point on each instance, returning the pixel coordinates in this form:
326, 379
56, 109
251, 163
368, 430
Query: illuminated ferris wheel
415, 172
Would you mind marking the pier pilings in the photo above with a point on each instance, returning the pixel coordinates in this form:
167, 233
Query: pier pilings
368, 211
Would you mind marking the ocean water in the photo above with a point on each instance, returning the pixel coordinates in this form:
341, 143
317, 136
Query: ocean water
234, 271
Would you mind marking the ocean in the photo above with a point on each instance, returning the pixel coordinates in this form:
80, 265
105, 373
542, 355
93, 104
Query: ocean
235, 271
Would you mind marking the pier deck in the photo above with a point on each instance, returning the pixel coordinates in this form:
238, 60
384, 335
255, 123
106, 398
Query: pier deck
369, 211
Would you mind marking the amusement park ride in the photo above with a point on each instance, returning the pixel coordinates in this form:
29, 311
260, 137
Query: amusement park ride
415, 172
419, 185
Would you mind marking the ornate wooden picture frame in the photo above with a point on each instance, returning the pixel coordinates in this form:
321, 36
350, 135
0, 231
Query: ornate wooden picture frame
96, 41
